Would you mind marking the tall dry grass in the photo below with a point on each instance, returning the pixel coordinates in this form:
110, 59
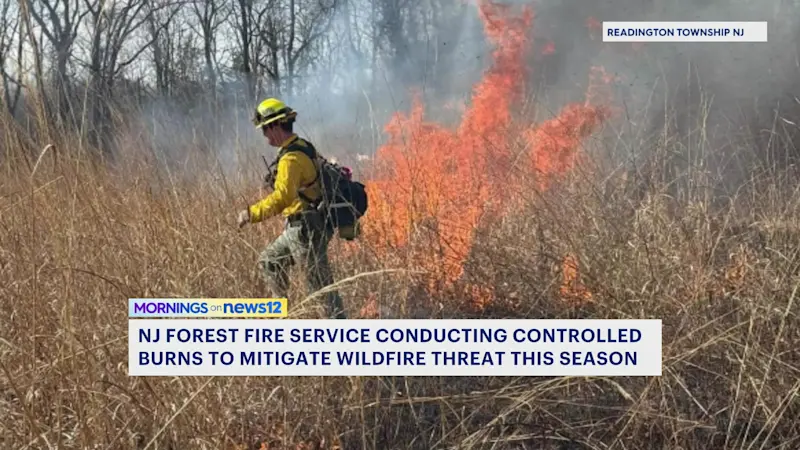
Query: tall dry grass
80, 237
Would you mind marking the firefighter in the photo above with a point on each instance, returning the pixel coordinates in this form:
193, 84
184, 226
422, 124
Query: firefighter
304, 240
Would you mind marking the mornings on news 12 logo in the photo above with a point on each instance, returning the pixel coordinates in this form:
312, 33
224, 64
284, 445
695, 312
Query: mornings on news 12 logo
207, 307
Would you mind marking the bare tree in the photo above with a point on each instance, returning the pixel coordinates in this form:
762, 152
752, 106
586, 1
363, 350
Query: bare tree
11, 35
59, 22
267, 29
247, 49
288, 31
287, 47
305, 32
111, 25
160, 27
210, 15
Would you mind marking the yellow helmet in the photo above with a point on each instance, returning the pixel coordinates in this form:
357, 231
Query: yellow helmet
272, 110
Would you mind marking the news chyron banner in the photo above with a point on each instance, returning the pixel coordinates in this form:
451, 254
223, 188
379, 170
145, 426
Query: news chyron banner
685, 31
219, 337
207, 307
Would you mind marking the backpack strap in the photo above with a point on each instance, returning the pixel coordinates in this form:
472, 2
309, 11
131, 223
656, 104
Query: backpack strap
306, 148
299, 145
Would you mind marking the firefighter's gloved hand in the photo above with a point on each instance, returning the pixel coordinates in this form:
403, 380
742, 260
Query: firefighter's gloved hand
243, 218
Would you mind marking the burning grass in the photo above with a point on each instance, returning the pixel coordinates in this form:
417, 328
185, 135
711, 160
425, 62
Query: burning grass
435, 186
77, 240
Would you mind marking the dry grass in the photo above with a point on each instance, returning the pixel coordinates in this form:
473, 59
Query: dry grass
77, 241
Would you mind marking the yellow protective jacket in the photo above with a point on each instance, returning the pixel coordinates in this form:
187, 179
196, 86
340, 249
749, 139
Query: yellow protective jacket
295, 171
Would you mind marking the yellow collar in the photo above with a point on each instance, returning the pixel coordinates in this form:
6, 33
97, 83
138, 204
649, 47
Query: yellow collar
288, 141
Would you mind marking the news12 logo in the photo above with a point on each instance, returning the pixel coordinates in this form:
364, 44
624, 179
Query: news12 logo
207, 307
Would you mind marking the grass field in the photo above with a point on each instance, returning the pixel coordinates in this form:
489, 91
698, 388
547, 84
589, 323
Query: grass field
696, 227
78, 239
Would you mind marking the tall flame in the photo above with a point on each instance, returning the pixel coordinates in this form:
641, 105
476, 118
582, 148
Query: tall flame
433, 185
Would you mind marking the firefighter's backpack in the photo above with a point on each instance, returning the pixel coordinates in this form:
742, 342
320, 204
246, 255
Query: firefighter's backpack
344, 201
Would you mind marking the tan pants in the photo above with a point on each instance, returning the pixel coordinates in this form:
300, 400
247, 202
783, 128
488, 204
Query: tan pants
298, 244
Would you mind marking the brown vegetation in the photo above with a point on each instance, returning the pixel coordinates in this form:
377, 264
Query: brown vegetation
78, 237
78, 241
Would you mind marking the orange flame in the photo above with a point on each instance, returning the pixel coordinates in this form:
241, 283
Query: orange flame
595, 27
549, 48
433, 185
572, 289
370, 308
554, 143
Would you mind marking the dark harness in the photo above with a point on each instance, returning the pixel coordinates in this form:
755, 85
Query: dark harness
297, 145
